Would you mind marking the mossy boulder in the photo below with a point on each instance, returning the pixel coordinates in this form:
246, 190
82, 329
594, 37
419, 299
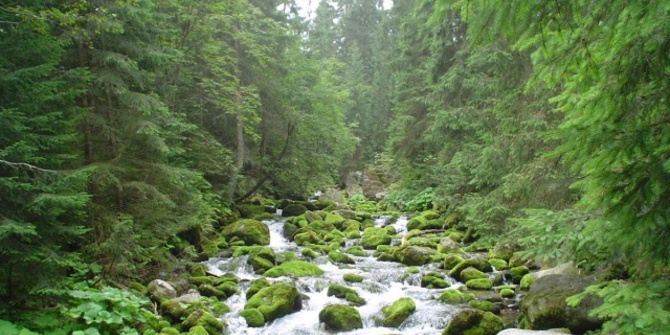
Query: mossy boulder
504, 251
353, 278
451, 261
447, 245
296, 268
256, 285
473, 322
293, 210
433, 280
417, 222
374, 236
198, 330
174, 309
526, 281
518, 272
169, 331
451, 296
253, 317
340, 318
339, 257
415, 255
249, 210
544, 306
346, 293
477, 263
304, 237
396, 313
334, 219
275, 301
482, 305
481, 284
472, 273
309, 253
507, 293
200, 318
357, 250
430, 214
251, 232
498, 263
161, 290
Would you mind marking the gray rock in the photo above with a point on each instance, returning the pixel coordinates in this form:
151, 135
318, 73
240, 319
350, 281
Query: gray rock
161, 290
561, 269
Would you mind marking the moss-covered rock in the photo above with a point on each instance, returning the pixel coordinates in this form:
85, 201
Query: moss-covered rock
498, 263
417, 222
295, 268
249, 210
251, 232
219, 308
346, 293
544, 306
451, 296
433, 280
396, 313
255, 286
447, 245
373, 237
169, 331
353, 278
479, 284
275, 301
293, 210
198, 330
526, 281
174, 309
309, 253
357, 250
518, 272
507, 293
472, 273
334, 219
137, 287
161, 290
200, 318
473, 322
210, 291
477, 263
482, 305
504, 251
430, 214
339, 317
415, 255
451, 261
305, 237
253, 317
339, 257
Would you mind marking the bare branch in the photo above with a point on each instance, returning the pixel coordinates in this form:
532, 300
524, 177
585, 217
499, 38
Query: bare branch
27, 166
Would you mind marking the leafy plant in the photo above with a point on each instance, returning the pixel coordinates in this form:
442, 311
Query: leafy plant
108, 311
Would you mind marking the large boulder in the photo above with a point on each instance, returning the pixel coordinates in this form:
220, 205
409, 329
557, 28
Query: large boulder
373, 187
161, 290
373, 237
251, 232
448, 245
396, 313
544, 306
275, 301
338, 317
293, 210
415, 255
477, 263
473, 322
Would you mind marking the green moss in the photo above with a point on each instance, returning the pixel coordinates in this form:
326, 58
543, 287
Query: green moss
219, 308
417, 222
518, 272
253, 317
137, 287
260, 264
357, 250
173, 309
307, 237
373, 237
256, 285
477, 263
203, 319
353, 278
252, 232
275, 301
309, 253
335, 219
507, 293
451, 296
169, 331
479, 284
415, 255
229, 288
472, 273
498, 264
433, 280
294, 210
338, 317
451, 261
198, 330
526, 281
346, 293
339, 257
396, 313
482, 305
474, 322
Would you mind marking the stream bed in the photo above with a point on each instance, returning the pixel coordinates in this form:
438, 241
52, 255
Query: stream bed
384, 283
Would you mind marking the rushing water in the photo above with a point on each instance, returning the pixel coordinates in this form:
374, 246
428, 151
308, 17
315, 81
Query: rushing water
384, 283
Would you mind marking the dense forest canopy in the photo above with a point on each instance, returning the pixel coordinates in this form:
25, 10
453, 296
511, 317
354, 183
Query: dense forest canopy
132, 128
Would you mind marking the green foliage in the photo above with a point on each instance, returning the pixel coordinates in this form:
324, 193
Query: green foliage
631, 307
108, 311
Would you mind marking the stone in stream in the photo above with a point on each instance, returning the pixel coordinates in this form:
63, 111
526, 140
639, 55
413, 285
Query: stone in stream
161, 290
251, 232
415, 255
396, 313
346, 293
339, 317
373, 237
275, 301
473, 321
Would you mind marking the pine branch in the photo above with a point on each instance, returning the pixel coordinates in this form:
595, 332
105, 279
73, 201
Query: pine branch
27, 166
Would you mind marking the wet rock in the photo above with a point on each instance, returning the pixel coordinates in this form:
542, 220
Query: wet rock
447, 245
473, 321
251, 232
433, 280
293, 210
452, 296
518, 272
200, 318
353, 278
339, 257
338, 317
544, 306
498, 264
396, 313
253, 317
479, 284
294, 268
373, 237
346, 293
477, 263
275, 301
527, 281
472, 273
415, 255
255, 286
161, 290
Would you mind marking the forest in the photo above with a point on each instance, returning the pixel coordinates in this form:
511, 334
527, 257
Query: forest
134, 133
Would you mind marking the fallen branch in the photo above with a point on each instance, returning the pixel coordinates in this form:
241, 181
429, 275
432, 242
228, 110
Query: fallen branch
27, 166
